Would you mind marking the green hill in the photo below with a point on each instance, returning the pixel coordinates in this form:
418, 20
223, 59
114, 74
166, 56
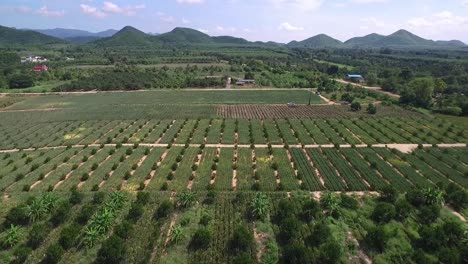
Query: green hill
365, 41
184, 36
127, 36
229, 40
319, 41
12, 37
403, 38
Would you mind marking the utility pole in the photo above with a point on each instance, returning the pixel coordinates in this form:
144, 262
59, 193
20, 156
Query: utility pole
310, 95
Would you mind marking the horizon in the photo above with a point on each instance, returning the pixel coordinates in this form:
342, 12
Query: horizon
281, 20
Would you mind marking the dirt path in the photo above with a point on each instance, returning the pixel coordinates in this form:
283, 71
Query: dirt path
29, 110
378, 89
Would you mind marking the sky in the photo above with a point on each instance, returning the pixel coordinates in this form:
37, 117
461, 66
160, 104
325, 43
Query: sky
264, 20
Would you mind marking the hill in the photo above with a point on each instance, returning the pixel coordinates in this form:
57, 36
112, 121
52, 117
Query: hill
451, 43
127, 36
403, 38
11, 37
367, 40
185, 36
319, 41
82, 39
229, 40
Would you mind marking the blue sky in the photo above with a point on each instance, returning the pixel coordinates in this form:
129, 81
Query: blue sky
277, 20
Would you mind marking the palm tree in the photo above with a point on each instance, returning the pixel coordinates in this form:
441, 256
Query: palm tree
260, 206
13, 235
176, 234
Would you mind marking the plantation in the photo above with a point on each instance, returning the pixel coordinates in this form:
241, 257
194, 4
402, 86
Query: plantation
128, 178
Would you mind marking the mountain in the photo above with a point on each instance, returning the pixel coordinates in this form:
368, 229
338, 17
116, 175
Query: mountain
127, 36
82, 39
65, 33
319, 41
451, 43
185, 36
403, 38
11, 36
367, 40
229, 40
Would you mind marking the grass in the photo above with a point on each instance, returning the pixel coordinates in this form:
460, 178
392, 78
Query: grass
39, 88
461, 121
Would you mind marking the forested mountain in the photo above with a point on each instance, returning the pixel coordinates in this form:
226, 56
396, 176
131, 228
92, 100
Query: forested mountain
130, 36
11, 37
65, 33
127, 36
365, 41
319, 41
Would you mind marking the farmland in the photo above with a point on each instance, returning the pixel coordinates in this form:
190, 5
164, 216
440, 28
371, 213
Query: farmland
220, 177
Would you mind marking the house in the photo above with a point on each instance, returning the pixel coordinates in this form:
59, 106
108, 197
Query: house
355, 78
243, 82
40, 68
33, 59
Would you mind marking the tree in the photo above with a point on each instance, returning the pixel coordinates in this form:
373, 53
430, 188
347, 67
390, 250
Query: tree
260, 206
388, 194
371, 109
433, 196
355, 106
330, 252
377, 238
406, 74
37, 235
164, 209
331, 204
68, 236
320, 233
113, 251
418, 92
53, 254
371, 79
310, 210
21, 81
439, 86
383, 213
295, 253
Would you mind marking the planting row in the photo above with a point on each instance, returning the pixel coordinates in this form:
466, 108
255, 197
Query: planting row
261, 169
232, 131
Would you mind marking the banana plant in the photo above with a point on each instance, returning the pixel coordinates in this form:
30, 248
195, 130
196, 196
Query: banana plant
12, 237
177, 234
260, 206
186, 199
91, 236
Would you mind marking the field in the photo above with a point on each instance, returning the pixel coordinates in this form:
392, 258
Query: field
225, 177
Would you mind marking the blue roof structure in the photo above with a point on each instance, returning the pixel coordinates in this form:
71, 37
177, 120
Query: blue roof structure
354, 76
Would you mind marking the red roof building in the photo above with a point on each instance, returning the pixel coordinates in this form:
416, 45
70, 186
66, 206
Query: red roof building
40, 68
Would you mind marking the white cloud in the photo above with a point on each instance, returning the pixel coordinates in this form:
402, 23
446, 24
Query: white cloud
288, 27
190, 2
442, 25
110, 7
368, 1
305, 5
203, 30
92, 11
44, 11
186, 21
373, 21
219, 28
419, 22
465, 2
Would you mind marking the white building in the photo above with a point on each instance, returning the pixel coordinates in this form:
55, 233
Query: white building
33, 59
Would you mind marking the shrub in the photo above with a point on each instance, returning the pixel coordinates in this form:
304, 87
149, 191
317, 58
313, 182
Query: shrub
242, 239
355, 107
84, 177
201, 239
21, 253
113, 251
164, 209
54, 254
383, 213
371, 109
69, 236
37, 235
135, 213
61, 213
123, 230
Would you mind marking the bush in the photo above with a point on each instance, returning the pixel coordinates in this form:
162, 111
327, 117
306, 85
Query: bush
69, 236
135, 212
356, 106
113, 251
61, 214
20, 254
164, 210
371, 109
76, 197
242, 239
54, 254
244, 258
383, 213
201, 239
37, 235
124, 230
21, 81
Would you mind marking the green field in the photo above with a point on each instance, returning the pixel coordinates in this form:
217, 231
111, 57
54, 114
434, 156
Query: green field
179, 176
